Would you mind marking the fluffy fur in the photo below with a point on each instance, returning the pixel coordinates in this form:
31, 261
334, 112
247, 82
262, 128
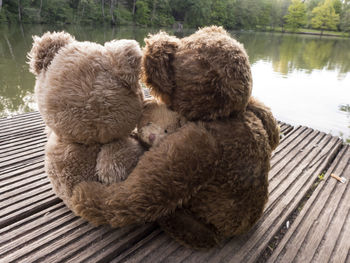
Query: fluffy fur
157, 122
90, 99
208, 180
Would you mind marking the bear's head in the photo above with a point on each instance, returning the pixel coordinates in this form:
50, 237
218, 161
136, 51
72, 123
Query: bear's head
204, 76
86, 92
157, 122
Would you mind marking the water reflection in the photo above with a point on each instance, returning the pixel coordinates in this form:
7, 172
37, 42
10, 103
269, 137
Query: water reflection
288, 53
302, 78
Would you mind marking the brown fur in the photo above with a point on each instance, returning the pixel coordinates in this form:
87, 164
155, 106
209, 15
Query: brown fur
157, 121
208, 180
90, 99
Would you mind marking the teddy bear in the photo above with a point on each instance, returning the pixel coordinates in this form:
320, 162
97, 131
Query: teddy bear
90, 99
157, 122
207, 181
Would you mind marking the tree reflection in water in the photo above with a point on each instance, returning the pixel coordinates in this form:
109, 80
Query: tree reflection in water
295, 58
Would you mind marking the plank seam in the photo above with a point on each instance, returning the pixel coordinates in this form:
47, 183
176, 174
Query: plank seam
25, 214
267, 252
296, 211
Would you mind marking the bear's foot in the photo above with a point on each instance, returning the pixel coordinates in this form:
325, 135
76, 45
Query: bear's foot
188, 231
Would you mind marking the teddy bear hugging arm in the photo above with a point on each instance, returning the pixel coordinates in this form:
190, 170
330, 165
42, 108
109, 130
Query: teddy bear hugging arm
176, 170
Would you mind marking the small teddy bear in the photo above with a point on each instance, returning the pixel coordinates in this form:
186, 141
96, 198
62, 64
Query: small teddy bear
90, 99
157, 122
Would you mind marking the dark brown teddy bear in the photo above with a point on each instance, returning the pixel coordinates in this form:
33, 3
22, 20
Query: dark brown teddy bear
208, 180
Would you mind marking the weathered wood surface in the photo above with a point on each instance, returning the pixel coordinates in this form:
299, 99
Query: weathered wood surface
321, 232
35, 226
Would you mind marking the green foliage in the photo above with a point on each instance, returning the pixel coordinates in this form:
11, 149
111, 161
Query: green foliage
296, 16
345, 17
337, 4
142, 13
232, 14
264, 18
198, 13
324, 16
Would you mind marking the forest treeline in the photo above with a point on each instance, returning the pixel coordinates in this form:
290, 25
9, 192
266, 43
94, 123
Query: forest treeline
232, 14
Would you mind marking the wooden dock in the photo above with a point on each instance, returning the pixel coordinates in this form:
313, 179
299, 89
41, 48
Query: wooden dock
307, 218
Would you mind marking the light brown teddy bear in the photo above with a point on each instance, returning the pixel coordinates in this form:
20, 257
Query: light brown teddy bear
157, 122
209, 179
90, 99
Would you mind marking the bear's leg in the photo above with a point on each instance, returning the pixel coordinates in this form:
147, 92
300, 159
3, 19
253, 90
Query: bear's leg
188, 231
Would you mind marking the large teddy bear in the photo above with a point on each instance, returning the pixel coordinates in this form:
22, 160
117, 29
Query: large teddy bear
208, 180
90, 99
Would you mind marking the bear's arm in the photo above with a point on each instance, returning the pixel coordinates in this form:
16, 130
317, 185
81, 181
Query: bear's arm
164, 179
67, 164
117, 159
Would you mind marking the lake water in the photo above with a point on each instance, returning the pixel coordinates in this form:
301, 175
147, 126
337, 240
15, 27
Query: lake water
304, 79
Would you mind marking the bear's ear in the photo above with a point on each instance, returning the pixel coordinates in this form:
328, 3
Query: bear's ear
126, 56
157, 70
182, 121
45, 48
149, 104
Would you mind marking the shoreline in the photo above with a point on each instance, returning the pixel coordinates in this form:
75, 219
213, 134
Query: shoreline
306, 32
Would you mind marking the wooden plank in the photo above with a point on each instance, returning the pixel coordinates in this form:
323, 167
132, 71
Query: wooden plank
18, 170
20, 130
14, 214
289, 143
36, 226
308, 150
39, 237
35, 158
10, 173
21, 141
12, 125
33, 131
293, 187
31, 222
15, 125
23, 157
17, 151
282, 158
125, 256
17, 234
29, 192
115, 244
285, 128
14, 187
79, 243
18, 117
321, 232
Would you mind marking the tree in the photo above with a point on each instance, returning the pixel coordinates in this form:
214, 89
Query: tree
264, 17
103, 9
19, 11
247, 13
345, 16
142, 13
278, 11
337, 4
218, 15
296, 16
324, 17
198, 13
111, 10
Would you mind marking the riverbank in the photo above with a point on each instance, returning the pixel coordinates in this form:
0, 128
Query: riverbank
307, 31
